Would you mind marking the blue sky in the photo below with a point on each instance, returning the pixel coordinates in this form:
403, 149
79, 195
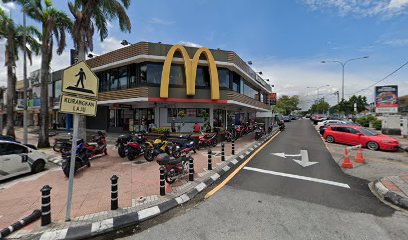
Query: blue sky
285, 39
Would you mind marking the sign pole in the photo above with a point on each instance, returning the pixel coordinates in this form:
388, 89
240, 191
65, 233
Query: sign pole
72, 167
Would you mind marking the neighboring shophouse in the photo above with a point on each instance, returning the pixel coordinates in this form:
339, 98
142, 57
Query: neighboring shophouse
148, 85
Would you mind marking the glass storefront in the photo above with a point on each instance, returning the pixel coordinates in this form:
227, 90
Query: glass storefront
129, 119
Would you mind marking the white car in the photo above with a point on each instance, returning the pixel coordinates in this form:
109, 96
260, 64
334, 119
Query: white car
319, 124
16, 159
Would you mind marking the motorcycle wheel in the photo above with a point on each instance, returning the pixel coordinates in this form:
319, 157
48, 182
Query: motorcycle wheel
214, 143
176, 152
169, 179
121, 151
148, 155
57, 147
65, 169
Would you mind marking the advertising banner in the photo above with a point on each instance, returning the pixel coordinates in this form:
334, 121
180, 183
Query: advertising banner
386, 99
272, 98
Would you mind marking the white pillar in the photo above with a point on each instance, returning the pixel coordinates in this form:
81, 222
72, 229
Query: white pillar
157, 116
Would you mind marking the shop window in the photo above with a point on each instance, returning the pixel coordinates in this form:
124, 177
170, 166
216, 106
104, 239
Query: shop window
236, 83
153, 73
250, 92
202, 77
122, 77
143, 74
224, 78
191, 115
177, 75
219, 118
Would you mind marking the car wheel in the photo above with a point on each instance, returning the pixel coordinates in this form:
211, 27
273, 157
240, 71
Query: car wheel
38, 166
330, 139
373, 146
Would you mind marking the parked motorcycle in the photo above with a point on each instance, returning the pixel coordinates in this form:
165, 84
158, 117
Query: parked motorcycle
97, 145
207, 139
259, 133
121, 143
62, 144
136, 146
81, 159
281, 125
154, 148
183, 146
174, 168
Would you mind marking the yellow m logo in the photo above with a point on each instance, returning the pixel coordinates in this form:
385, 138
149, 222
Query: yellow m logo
190, 68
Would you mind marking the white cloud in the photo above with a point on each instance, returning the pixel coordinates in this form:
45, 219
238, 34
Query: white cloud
109, 44
190, 44
397, 42
361, 8
156, 20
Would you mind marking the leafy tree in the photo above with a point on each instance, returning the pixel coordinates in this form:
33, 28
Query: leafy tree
320, 107
54, 24
14, 33
285, 104
347, 106
91, 15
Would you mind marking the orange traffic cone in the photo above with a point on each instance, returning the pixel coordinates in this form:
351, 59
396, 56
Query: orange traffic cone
359, 157
346, 162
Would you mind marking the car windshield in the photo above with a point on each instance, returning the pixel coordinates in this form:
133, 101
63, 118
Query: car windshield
368, 132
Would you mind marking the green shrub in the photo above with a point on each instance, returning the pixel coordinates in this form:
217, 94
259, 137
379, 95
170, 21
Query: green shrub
365, 121
377, 124
160, 130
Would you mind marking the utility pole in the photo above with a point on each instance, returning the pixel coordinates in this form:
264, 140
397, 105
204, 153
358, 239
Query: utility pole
338, 97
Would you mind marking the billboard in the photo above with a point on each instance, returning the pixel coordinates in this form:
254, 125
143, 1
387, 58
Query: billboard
272, 98
386, 99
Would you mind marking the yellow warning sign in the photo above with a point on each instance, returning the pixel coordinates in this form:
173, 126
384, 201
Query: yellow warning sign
76, 105
80, 80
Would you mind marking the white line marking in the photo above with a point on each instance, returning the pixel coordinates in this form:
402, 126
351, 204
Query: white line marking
242, 156
60, 234
235, 161
102, 225
298, 177
226, 168
148, 212
182, 199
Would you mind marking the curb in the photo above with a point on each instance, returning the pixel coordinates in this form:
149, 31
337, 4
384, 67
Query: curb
389, 196
134, 218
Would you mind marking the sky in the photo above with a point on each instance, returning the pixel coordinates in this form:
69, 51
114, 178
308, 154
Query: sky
285, 39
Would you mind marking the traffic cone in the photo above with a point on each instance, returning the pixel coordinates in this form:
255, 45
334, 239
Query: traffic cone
346, 162
359, 157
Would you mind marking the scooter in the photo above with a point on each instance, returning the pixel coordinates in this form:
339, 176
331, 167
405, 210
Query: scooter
174, 168
206, 140
281, 126
81, 159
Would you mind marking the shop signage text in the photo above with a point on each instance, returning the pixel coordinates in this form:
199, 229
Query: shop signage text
83, 106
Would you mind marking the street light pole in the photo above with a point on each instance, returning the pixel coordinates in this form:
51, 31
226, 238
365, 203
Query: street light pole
343, 65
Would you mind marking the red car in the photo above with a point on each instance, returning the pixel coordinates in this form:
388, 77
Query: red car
356, 135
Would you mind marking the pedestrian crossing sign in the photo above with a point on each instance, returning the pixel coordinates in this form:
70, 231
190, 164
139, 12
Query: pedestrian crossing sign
80, 80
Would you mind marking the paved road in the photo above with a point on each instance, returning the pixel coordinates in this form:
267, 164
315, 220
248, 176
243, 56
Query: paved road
283, 200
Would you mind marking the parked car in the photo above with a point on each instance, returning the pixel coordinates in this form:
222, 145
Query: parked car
323, 128
356, 135
287, 118
17, 159
318, 118
12, 139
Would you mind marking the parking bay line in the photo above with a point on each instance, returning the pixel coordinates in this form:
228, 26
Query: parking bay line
298, 177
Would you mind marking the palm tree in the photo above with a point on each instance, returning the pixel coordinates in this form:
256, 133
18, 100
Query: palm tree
13, 34
54, 25
90, 15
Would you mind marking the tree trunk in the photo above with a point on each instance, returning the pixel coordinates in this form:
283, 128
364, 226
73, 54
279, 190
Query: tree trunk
11, 91
43, 141
81, 57
11, 84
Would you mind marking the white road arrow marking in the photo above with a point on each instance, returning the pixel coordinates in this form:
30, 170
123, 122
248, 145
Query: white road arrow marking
305, 159
283, 155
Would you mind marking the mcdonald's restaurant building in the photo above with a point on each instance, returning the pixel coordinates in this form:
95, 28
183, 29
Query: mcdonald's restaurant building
149, 85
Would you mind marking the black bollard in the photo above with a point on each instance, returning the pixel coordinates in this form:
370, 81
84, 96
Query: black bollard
162, 182
20, 224
233, 148
114, 192
222, 152
209, 160
45, 205
191, 169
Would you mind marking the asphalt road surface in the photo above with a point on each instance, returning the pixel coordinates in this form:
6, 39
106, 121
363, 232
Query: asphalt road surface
276, 198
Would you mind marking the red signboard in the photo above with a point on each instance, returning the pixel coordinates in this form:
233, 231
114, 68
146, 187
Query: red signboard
272, 98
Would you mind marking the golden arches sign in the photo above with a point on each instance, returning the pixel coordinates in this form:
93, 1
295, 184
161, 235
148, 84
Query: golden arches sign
190, 68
